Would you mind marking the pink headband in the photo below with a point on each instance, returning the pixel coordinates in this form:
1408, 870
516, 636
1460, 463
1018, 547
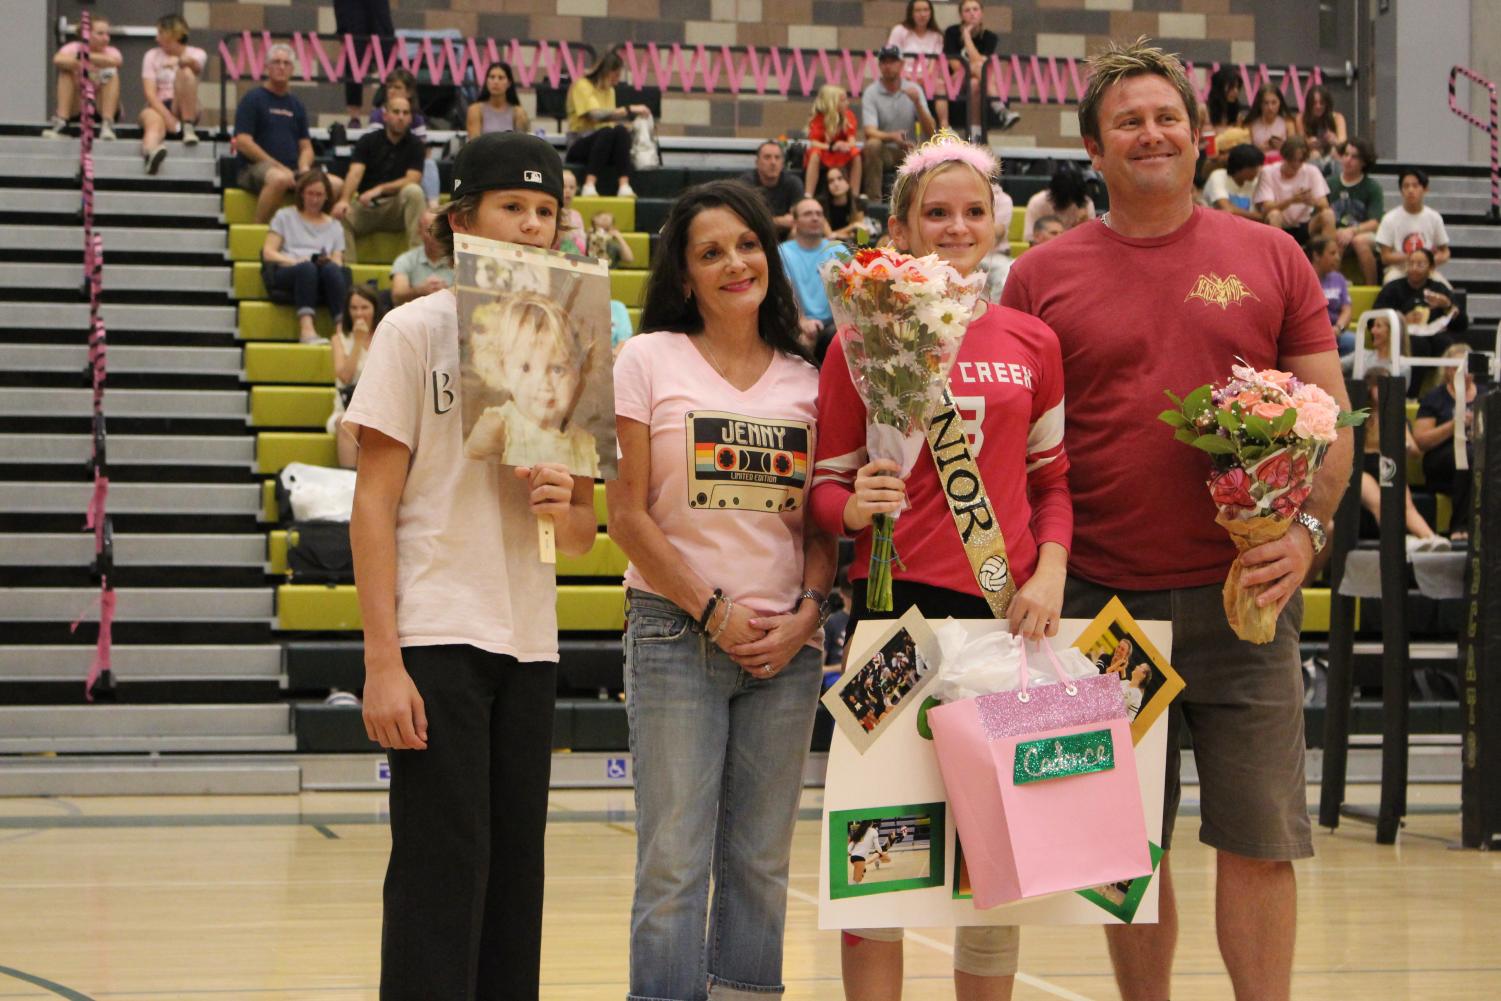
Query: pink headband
947, 147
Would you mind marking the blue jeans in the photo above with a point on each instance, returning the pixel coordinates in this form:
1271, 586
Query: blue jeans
718, 761
308, 282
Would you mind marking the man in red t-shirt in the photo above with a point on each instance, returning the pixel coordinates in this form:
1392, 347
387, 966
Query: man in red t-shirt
1160, 294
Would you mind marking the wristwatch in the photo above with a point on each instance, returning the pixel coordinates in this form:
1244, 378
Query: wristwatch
1316, 532
819, 599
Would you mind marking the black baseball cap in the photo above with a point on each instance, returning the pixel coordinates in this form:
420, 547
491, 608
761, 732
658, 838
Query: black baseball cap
505, 160
889, 52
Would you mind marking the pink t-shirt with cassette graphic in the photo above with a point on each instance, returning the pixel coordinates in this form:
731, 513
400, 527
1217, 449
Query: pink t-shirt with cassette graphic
729, 470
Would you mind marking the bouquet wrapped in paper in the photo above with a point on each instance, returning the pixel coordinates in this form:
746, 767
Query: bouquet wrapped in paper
902, 319
1266, 434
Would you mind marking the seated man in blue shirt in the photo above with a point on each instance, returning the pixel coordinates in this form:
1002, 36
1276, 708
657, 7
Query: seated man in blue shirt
803, 256
271, 137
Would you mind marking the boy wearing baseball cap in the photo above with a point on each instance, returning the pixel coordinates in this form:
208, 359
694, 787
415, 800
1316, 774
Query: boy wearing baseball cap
461, 639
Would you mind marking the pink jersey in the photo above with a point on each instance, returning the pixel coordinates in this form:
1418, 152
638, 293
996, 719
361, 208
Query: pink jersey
1138, 316
1008, 385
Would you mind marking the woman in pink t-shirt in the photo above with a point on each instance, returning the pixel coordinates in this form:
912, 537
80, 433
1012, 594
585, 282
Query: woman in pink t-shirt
1007, 385
920, 34
169, 77
104, 62
715, 413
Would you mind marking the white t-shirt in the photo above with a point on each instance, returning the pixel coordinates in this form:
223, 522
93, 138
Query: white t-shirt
467, 563
1220, 186
1407, 231
868, 846
1274, 186
729, 469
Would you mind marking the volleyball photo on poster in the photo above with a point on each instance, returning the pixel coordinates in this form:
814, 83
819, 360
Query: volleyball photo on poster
883, 680
886, 849
1123, 898
534, 357
1118, 646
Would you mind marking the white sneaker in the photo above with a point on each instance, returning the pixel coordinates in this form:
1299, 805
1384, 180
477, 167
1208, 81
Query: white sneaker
589, 191
107, 132
626, 191
54, 129
154, 159
1435, 544
189, 134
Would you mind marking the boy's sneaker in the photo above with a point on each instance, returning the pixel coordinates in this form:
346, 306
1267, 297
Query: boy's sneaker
1005, 118
154, 159
189, 134
589, 191
54, 129
626, 191
107, 132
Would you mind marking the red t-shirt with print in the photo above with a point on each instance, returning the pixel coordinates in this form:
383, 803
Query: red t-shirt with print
1135, 317
1009, 391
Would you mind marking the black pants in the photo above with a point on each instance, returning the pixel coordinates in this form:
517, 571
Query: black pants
606, 152
1442, 477
363, 17
307, 280
463, 894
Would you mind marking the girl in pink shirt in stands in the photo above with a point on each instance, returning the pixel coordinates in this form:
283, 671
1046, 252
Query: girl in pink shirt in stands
169, 76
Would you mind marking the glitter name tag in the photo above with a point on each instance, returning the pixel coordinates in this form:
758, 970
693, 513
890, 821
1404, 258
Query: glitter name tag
1060, 757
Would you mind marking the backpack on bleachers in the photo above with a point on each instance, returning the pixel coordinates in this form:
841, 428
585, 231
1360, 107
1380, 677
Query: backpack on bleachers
319, 552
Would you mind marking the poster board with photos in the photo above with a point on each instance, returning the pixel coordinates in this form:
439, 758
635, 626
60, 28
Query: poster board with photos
535, 366
893, 781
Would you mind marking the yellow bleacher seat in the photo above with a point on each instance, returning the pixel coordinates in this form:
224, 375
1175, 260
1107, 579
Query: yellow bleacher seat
1018, 247
635, 313
623, 209
1362, 298
290, 406
628, 286
324, 608
262, 320
1018, 219
1315, 610
640, 244
239, 205
249, 285
270, 361
275, 449
246, 240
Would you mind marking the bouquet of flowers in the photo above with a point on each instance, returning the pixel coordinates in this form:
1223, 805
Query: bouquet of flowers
1266, 434
902, 319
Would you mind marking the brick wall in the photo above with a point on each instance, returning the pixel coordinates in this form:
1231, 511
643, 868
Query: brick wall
1204, 31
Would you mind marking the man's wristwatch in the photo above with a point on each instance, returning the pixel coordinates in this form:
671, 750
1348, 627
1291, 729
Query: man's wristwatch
1316, 532
819, 599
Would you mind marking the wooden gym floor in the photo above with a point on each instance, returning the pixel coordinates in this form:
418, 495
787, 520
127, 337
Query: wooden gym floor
278, 898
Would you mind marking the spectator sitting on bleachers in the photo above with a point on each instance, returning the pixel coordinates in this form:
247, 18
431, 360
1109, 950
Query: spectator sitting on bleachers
362, 314
833, 138
969, 46
1358, 204
1434, 433
104, 69
1409, 226
421, 270
802, 257
571, 236
169, 76
400, 83
1420, 535
596, 136
780, 189
1222, 109
1323, 254
1428, 306
501, 111
1321, 125
891, 109
1066, 196
1232, 188
843, 209
1294, 194
304, 255
918, 31
1048, 227
607, 242
382, 191
271, 137
1270, 120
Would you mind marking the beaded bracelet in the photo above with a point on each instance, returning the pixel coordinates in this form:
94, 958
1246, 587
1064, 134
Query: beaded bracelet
703, 620
729, 606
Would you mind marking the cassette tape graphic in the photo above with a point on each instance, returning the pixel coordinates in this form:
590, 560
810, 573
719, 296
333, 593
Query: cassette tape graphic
746, 463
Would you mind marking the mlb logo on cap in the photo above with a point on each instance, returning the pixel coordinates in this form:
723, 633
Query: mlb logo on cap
533, 176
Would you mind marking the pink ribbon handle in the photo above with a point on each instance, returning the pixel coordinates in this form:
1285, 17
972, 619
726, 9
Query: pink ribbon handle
1063, 678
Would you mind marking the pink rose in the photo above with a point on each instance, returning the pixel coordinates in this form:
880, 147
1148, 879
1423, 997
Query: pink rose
1267, 410
1232, 489
1276, 378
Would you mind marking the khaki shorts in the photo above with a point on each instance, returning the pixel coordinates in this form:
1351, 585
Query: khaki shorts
1242, 706
253, 177
979, 950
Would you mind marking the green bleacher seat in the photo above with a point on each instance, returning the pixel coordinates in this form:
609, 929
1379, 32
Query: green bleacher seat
624, 210
1018, 219
290, 406
322, 608
1362, 298
249, 285
604, 560
246, 240
640, 244
628, 286
275, 449
262, 320
239, 205
1018, 247
1315, 610
271, 361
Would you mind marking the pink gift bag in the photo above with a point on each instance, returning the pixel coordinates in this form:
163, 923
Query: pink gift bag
1042, 783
